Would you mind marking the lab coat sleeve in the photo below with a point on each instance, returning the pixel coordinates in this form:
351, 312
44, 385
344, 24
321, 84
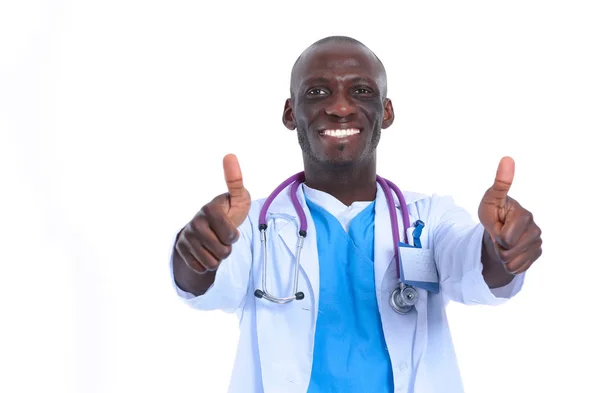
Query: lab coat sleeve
228, 292
457, 245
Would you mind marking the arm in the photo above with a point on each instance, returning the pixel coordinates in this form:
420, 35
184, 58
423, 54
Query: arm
212, 256
512, 240
481, 263
461, 257
222, 289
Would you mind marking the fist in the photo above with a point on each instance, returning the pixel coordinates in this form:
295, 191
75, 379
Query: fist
516, 237
207, 239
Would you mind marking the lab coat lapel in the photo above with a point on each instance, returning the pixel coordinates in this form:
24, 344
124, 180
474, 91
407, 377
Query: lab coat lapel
289, 329
309, 259
398, 329
405, 335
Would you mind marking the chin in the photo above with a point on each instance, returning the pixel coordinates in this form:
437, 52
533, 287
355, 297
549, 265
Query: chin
339, 162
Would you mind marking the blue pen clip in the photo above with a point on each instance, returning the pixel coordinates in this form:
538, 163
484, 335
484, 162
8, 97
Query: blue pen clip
417, 233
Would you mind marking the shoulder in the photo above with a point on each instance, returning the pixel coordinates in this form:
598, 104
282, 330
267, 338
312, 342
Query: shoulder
421, 200
434, 207
256, 207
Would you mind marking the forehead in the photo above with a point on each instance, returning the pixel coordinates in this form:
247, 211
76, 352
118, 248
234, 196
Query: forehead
337, 60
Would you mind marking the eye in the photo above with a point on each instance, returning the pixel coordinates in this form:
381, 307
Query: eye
363, 90
316, 92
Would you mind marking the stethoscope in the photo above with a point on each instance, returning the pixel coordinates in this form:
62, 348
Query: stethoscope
402, 298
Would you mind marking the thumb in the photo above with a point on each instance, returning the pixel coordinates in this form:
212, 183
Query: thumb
505, 174
233, 178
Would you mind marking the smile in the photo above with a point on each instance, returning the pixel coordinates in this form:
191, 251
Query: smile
341, 133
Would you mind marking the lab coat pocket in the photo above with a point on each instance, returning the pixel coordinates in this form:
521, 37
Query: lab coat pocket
418, 268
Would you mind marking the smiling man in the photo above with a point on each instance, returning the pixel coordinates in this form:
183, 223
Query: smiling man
340, 280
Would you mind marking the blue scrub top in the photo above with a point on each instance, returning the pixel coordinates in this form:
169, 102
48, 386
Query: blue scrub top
350, 354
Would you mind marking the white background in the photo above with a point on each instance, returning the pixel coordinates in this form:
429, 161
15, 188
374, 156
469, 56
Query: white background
114, 118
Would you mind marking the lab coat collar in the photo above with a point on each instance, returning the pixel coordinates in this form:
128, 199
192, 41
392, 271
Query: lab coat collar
282, 203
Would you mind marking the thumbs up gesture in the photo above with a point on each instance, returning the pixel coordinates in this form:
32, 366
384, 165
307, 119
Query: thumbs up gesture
516, 237
207, 239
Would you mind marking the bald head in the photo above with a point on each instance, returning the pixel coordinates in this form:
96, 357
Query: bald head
337, 52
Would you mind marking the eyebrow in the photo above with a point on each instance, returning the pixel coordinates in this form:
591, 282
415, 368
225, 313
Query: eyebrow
314, 81
366, 81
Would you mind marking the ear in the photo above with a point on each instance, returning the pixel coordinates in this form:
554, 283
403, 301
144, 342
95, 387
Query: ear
388, 113
288, 115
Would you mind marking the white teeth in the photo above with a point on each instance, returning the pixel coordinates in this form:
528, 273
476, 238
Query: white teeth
341, 133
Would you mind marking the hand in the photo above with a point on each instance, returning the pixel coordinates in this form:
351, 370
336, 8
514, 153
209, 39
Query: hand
516, 237
207, 239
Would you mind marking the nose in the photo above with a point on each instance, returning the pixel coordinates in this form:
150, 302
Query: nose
340, 106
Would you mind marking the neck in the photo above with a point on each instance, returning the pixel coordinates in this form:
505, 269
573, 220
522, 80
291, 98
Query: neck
347, 184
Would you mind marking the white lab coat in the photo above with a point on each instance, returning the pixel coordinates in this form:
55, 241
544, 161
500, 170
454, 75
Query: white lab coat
276, 341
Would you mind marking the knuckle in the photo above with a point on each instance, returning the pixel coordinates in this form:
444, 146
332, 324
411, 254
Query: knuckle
209, 212
214, 215
213, 206
219, 250
505, 241
197, 261
513, 267
523, 215
220, 221
223, 252
183, 233
529, 216
186, 234
504, 255
191, 262
198, 225
227, 235
510, 268
183, 245
207, 209
196, 266
195, 224
211, 264
180, 247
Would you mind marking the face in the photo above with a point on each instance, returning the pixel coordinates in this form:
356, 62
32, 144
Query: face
338, 104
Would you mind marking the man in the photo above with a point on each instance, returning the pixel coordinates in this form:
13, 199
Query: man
342, 335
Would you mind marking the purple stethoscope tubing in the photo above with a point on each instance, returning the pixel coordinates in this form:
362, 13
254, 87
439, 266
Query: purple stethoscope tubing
387, 186
402, 299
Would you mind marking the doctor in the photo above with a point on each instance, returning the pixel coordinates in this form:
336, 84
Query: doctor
341, 333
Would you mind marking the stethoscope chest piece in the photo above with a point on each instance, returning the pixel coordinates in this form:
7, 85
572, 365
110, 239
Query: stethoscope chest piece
403, 299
